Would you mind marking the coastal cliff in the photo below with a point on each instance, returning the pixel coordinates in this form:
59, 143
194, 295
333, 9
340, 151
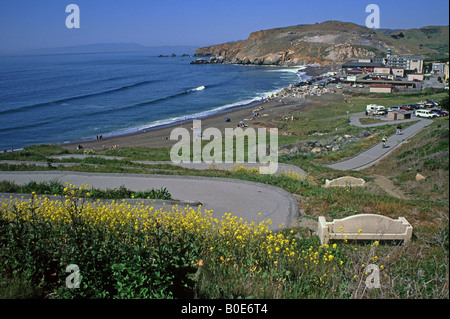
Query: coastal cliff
321, 43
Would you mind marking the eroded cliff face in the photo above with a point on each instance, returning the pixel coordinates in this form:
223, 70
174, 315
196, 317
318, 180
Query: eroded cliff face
325, 43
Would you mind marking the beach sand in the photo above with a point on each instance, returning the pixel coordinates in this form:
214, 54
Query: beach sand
157, 138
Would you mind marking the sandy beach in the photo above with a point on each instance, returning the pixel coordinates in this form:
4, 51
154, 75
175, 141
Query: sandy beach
278, 107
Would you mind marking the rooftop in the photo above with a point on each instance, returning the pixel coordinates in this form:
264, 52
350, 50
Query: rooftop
418, 57
354, 64
380, 85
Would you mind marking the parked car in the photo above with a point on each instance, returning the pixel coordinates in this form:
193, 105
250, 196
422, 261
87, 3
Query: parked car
425, 114
406, 107
433, 102
421, 105
395, 108
439, 113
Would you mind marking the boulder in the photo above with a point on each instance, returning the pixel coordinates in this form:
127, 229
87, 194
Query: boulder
420, 177
293, 150
272, 59
335, 148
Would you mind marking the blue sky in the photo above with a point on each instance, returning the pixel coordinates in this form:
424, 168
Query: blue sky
26, 24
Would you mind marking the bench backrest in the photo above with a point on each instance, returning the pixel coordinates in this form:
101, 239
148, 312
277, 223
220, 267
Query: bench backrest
365, 226
368, 223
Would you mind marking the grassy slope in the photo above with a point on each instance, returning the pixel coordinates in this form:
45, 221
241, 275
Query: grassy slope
432, 40
426, 153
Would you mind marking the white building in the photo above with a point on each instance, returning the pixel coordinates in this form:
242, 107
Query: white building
407, 62
438, 67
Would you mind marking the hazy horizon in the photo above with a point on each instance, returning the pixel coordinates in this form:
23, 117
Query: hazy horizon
31, 25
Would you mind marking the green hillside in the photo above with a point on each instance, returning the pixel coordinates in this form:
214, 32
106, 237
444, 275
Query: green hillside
431, 41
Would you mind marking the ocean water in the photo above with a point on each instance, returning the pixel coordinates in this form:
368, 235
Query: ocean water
75, 97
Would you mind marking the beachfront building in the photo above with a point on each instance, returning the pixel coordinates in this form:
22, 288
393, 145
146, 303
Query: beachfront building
383, 70
438, 68
364, 66
361, 66
415, 77
446, 72
380, 88
399, 115
398, 72
407, 62
386, 75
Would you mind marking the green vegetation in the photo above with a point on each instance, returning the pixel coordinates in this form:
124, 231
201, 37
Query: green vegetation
34, 153
172, 258
56, 188
126, 251
432, 40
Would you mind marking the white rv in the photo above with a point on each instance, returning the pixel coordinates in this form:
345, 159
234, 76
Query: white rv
376, 109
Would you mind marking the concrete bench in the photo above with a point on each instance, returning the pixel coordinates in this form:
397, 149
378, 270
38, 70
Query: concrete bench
365, 227
345, 181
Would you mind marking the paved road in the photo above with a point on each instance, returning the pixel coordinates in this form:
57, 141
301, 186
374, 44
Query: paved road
354, 120
241, 198
372, 155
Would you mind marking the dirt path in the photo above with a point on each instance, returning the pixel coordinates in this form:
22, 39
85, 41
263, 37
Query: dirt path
388, 186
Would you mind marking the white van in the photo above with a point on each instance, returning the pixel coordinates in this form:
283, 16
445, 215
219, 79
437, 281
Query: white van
376, 109
425, 113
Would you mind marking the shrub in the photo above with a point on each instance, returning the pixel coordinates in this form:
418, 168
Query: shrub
137, 251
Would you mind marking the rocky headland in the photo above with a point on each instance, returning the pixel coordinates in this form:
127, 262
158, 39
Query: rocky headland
323, 43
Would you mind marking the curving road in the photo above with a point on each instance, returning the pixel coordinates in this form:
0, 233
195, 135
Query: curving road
375, 153
241, 198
